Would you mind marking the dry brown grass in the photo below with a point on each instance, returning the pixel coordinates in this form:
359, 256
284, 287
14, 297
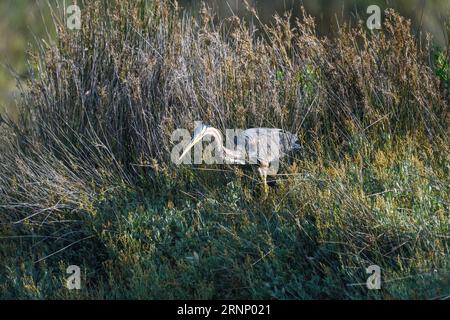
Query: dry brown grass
122, 84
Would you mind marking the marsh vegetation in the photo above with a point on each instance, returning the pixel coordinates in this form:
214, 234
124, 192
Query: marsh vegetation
86, 177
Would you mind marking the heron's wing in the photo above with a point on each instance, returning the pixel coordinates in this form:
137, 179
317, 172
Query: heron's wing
268, 144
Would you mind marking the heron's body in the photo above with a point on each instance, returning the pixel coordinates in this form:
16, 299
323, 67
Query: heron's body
259, 146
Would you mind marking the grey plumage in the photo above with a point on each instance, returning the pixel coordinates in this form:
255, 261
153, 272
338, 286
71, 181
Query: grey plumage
260, 146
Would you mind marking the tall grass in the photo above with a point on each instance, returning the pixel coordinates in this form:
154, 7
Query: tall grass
136, 72
101, 105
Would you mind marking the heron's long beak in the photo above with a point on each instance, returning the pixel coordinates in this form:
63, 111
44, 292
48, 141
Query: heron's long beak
190, 145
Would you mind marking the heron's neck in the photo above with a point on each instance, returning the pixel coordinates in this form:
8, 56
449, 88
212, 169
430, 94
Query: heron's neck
223, 151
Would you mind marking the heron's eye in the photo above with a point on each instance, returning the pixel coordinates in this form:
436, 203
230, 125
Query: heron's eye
198, 131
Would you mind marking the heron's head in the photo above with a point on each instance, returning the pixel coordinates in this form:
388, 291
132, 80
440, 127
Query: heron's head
199, 133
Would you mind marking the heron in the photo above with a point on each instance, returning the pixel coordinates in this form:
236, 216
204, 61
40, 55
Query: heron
261, 146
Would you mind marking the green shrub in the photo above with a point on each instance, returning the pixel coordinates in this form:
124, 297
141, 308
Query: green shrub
442, 60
